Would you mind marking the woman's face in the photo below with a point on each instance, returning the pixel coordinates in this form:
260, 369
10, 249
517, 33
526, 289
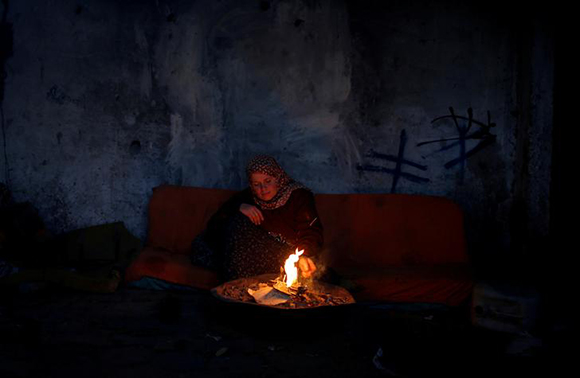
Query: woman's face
263, 185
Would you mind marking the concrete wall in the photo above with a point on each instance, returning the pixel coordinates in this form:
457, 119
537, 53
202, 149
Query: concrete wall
105, 100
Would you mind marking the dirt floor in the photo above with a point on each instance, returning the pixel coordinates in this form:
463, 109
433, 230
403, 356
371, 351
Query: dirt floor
51, 332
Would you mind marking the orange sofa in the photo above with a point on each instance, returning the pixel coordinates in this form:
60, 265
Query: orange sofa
393, 247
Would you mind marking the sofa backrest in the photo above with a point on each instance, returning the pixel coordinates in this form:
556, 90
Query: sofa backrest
377, 230
177, 214
359, 229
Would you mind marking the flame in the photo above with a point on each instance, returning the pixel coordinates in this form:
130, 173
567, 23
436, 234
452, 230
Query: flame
290, 268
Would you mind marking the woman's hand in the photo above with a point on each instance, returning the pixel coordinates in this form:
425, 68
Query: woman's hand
252, 212
307, 266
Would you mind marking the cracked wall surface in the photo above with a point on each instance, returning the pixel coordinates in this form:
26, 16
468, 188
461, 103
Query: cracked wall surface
104, 101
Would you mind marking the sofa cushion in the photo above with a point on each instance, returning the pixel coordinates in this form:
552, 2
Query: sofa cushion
450, 284
170, 267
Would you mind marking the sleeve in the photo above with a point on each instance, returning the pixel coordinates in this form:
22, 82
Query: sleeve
308, 226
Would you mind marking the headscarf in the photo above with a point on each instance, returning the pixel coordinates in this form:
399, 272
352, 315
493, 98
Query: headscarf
286, 185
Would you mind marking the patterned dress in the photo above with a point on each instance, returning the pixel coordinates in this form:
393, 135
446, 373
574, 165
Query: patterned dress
235, 247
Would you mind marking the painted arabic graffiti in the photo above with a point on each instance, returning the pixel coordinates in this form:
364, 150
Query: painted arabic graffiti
399, 160
463, 127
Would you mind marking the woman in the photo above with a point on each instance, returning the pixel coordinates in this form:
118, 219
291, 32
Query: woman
258, 228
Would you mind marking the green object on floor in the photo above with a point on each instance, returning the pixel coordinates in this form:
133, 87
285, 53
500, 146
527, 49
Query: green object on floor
99, 254
101, 244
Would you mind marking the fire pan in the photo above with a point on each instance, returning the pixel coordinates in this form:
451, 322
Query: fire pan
235, 306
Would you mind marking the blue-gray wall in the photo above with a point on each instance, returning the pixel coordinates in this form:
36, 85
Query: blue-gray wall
104, 100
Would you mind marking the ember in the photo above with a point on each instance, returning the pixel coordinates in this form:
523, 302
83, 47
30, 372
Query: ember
316, 295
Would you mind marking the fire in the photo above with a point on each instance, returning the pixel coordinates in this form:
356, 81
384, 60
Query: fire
290, 267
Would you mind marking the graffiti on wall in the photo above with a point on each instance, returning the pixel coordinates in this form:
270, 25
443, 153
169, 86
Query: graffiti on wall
399, 161
467, 129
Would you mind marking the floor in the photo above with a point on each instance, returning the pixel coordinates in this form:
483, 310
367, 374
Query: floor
49, 332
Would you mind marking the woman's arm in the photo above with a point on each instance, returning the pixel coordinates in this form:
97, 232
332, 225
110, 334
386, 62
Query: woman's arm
308, 226
309, 232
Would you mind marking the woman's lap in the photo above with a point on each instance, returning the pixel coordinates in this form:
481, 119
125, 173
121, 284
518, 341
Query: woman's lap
245, 250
